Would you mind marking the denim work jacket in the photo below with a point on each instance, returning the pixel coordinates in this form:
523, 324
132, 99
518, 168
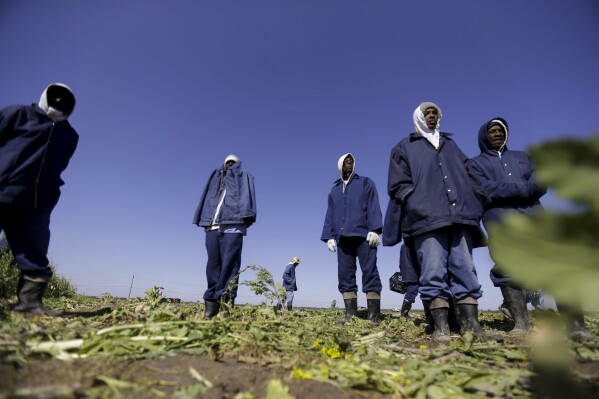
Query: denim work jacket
507, 179
433, 186
239, 206
353, 213
34, 151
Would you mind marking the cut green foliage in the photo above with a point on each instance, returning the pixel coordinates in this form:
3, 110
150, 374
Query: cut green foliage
395, 357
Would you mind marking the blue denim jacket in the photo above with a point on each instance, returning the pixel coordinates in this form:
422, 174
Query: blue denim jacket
508, 180
433, 186
239, 206
34, 151
289, 280
353, 213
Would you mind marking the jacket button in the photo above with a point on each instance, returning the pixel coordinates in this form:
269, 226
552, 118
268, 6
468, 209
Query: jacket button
448, 190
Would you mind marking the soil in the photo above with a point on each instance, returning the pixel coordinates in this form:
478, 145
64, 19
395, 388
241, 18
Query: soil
70, 379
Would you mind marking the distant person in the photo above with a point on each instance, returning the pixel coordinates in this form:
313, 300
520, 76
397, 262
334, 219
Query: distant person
226, 210
290, 282
441, 214
510, 186
36, 145
352, 225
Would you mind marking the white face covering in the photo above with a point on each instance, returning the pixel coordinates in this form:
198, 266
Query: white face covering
432, 135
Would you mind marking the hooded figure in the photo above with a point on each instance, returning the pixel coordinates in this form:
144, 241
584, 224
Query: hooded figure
36, 145
440, 213
352, 224
227, 208
507, 178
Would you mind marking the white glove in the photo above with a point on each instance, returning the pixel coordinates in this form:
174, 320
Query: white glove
331, 244
373, 239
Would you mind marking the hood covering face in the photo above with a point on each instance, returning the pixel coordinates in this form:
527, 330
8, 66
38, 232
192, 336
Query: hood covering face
483, 140
57, 101
231, 157
432, 135
340, 167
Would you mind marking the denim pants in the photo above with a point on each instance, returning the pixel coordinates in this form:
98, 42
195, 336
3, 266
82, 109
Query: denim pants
348, 249
445, 256
411, 292
289, 298
28, 236
224, 262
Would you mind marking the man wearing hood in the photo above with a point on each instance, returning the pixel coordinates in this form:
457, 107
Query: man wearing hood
290, 282
352, 226
440, 214
36, 145
509, 182
227, 208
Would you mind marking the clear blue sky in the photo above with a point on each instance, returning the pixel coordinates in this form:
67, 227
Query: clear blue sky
166, 89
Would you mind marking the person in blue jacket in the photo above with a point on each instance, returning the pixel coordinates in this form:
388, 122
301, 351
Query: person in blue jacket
509, 182
510, 186
36, 145
226, 210
290, 282
441, 213
352, 226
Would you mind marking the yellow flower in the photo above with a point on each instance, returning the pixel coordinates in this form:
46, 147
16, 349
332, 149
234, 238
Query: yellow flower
317, 343
423, 347
300, 374
333, 353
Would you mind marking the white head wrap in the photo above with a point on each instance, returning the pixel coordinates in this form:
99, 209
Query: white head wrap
432, 135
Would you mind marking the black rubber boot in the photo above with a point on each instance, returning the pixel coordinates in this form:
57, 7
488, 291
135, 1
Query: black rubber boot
468, 318
212, 308
351, 308
516, 302
374, 310
405, 310
289, 306
29, 295
441, 325
429, 323
454, 324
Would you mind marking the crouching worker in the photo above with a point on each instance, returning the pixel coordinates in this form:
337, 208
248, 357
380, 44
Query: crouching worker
352, 226
36, 145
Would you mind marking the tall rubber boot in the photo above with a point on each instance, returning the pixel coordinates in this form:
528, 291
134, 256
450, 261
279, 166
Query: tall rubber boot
374, 310
212, 308
29, 296
441, 325
467, 313
351, 307
405, 310
429, 323
517, 305
454, 324
289, 306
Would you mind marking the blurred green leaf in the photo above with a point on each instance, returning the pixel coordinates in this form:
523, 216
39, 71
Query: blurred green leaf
558, 253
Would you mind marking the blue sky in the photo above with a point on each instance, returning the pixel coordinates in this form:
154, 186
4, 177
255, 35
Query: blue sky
166, 89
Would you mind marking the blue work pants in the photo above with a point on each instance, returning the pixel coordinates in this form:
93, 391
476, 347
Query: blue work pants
28, 236
445, 256
224, 262
348, 249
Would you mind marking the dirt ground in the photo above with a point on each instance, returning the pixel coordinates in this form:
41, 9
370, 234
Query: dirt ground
70, 379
